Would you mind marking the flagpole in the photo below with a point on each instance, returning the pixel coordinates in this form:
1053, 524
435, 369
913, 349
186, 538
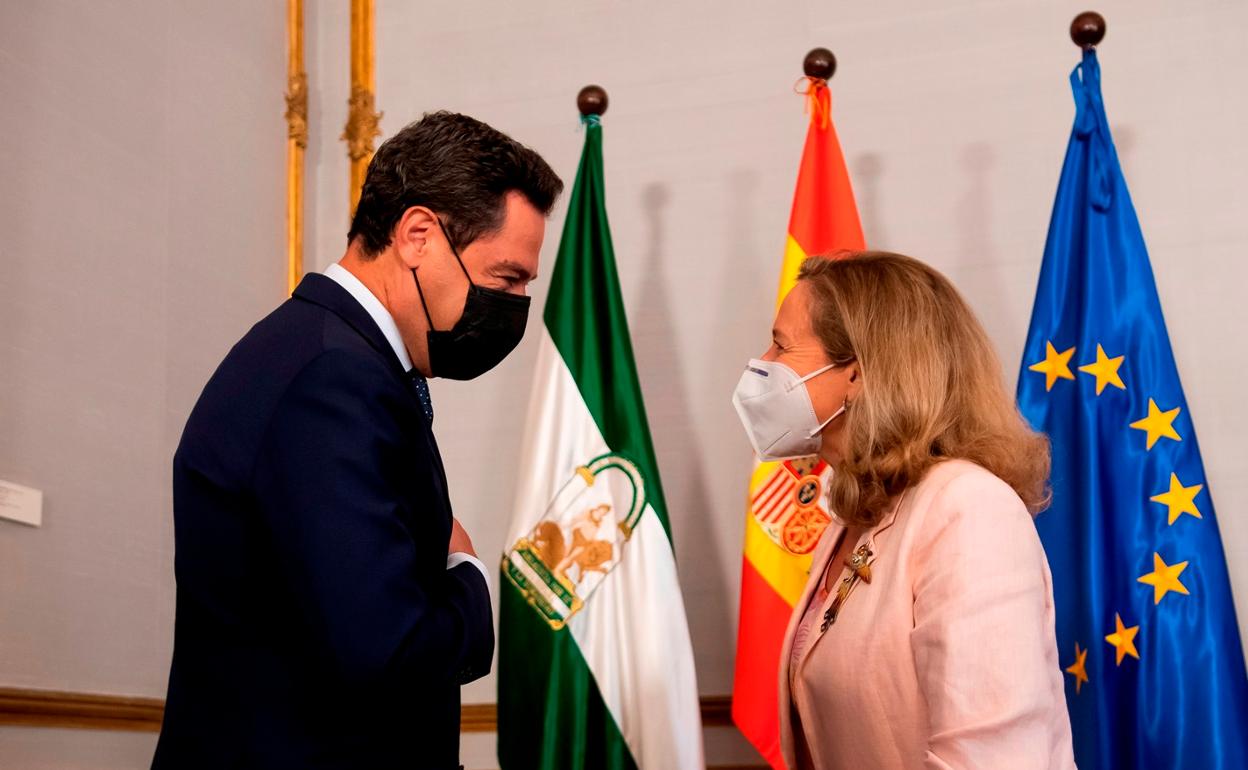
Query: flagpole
1087, 30
592, 100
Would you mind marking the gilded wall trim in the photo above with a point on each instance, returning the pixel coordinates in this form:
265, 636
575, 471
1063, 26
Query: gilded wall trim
296, 141
52, 708
363, 120
87, 711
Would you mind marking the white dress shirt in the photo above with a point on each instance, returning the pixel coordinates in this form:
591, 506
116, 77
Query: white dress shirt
390, 330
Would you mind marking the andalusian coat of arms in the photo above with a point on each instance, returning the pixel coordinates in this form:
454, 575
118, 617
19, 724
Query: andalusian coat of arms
579, 539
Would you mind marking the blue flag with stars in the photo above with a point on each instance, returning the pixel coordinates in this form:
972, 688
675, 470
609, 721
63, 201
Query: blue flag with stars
1145, 622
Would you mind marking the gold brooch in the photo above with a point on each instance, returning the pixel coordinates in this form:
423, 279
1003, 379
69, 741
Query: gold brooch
859, 563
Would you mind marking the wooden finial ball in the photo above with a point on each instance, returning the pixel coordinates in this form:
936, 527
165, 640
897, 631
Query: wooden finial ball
592, 100
1087, 29
819, 63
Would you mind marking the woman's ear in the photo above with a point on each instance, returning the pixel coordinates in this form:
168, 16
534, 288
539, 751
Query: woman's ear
854, 370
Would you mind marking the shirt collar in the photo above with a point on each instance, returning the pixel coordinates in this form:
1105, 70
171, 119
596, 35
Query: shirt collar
377, 311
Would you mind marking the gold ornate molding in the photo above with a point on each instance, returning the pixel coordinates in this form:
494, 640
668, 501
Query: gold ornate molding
296, 142
363, 125
297, 108
362, 117
49, 708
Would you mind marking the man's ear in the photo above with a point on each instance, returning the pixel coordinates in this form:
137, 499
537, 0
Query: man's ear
414, 236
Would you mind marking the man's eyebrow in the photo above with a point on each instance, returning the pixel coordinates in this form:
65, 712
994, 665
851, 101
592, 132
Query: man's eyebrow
514, 267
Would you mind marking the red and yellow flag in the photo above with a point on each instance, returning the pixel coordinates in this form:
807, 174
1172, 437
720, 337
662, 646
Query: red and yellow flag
785, 513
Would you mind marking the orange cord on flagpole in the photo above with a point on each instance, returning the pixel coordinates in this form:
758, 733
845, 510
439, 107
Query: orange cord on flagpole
816, 107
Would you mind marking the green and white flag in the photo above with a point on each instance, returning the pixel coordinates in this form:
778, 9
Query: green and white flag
595, 666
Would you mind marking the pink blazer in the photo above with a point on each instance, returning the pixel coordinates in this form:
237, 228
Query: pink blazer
947, 659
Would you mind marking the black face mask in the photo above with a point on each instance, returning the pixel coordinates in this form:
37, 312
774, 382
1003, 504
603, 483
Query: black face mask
490, 327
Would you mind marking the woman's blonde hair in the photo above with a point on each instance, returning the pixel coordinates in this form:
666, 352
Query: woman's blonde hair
932, 387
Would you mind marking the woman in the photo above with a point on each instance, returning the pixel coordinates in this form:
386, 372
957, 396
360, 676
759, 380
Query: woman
925, 635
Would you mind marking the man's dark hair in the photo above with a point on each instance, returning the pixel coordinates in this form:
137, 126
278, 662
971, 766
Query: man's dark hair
455, 165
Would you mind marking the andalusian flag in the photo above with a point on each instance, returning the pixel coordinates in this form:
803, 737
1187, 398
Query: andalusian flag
595, 665
785, 508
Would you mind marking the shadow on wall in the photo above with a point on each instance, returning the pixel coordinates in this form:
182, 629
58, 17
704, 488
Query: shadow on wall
746, 306
974, 205
978, 269
1124, 143
676, 443
867, 170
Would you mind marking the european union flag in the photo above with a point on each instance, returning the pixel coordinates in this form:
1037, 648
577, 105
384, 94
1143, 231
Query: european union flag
1145, 623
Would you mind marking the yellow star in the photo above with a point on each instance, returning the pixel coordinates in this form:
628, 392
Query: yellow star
1079, 668
1158, 424
1179, 499
1105, 369
1123, 640
1164, 578
1054, 365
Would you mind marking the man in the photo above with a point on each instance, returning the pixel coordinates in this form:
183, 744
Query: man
329, 606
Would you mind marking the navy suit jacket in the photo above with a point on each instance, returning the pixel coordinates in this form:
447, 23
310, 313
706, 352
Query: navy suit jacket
317, 624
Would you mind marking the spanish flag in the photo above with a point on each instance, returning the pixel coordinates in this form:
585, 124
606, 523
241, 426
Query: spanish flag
785, 513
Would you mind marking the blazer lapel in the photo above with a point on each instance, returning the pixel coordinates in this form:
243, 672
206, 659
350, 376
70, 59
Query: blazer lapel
819, 560
326, 292
823, 552
818, 567
871, 536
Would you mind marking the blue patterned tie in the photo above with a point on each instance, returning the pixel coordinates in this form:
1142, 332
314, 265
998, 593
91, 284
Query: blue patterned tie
422, 392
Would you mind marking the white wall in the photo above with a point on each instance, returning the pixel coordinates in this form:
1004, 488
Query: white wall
141, 204
142, 222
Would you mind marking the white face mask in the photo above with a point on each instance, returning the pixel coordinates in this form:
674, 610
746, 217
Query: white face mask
776, 411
